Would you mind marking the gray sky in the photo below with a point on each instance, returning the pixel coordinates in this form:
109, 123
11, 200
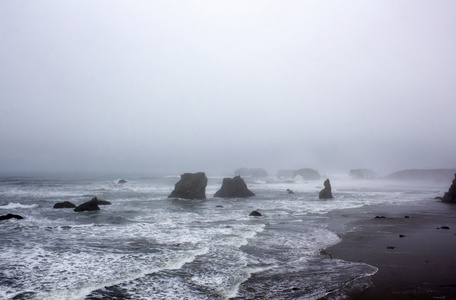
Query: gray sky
174, 86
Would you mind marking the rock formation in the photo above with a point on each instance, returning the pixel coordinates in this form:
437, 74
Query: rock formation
234, 188
435, 175
251, 172
363, 174
64, 204
10, 216
121, 181
255, 214
190, 186
450, 196
305, 173
90, 205
326, 192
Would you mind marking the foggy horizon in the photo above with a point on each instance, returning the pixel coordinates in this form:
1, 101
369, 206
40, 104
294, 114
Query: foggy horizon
185, 86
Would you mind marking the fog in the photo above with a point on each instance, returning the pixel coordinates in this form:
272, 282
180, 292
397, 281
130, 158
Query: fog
176, 86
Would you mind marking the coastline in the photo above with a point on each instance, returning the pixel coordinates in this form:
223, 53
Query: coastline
412, 245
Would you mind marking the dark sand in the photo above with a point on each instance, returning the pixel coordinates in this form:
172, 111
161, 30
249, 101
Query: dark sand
416, 260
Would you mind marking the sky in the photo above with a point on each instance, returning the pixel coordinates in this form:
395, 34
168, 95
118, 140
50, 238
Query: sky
195, 85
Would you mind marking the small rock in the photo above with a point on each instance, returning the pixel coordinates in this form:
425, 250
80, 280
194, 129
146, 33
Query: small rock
10, 216
121, 181
255, 214
390, 247
401, 235
380, 217
64, 204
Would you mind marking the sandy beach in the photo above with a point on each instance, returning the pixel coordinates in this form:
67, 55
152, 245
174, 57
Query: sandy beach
413, 246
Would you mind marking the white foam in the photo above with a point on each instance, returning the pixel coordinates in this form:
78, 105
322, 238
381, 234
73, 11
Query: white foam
13, 205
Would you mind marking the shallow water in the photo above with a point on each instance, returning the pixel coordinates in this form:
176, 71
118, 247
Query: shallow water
146, 246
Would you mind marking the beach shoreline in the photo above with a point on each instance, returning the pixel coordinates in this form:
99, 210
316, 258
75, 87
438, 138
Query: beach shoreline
412, 245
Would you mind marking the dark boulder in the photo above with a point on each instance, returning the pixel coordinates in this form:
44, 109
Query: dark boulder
90, 205
255, 214
122, 181
450, 196
190, 186
326, 192
64, 204
234, 188
10, 216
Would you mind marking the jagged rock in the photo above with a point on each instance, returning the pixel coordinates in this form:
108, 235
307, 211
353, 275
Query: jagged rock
10, 216
255, 214
90, 205
190, 186
251, 172
122, 181
64, 204
326, 192
363, 174
450, 196
234, 188
435, 175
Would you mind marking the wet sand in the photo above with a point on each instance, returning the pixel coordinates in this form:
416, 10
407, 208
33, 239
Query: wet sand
413, 246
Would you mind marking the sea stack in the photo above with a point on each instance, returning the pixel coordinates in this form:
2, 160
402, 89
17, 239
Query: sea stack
65, 204
234, 188
190, 186
450, 196
326, 192
90, 205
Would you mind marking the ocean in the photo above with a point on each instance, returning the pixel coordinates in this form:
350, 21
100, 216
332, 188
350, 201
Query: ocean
147, 246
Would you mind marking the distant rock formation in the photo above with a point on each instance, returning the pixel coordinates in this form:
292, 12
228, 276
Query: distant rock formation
326, 192
255, 214
251, 172
90, 205
234, 188
10, 216
190, 186
363, 174
64, 204
450, 196
121, 181
435, 175
305, 173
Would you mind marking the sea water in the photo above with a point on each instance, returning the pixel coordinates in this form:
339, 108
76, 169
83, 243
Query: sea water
147, 246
